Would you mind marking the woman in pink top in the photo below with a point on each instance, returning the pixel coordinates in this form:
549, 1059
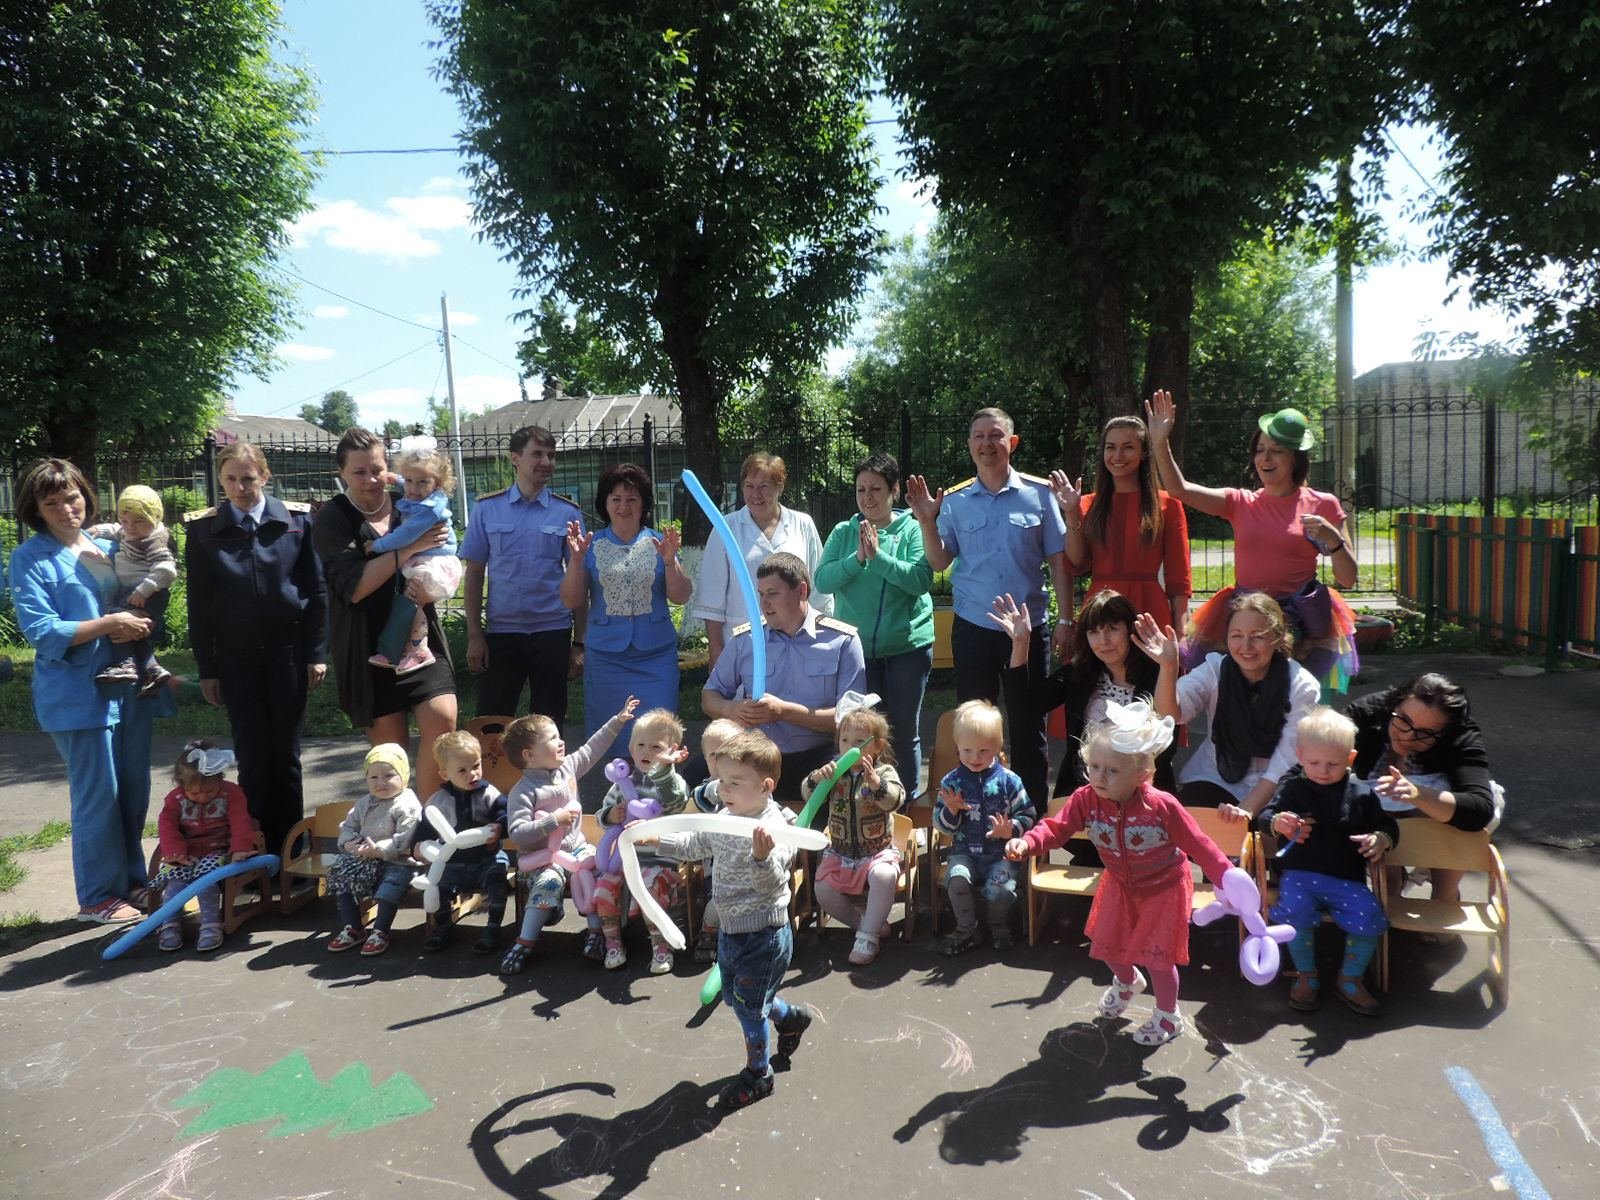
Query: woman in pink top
1279, 532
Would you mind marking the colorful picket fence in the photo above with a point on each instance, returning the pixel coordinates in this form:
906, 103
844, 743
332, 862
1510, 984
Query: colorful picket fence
1526, 581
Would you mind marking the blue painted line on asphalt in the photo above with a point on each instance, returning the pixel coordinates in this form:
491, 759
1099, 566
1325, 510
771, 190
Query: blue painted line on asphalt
1497, 1138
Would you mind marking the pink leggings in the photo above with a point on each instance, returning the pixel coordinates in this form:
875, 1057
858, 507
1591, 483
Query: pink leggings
869, 915
1163, 982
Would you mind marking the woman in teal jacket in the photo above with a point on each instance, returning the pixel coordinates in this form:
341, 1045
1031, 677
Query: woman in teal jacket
874, 568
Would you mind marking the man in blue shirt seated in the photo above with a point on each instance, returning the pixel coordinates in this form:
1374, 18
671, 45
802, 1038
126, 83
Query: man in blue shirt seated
999, 529
812, 660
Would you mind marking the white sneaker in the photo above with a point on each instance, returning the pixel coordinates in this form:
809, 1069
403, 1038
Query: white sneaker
616, 956
865, 949
661, 960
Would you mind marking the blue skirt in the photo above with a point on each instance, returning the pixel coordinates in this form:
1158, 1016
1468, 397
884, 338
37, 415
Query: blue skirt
610, 677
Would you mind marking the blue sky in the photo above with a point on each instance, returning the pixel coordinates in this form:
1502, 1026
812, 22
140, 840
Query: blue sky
392, 232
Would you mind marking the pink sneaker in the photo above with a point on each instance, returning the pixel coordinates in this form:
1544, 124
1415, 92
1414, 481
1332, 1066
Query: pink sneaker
414, 660
380, 660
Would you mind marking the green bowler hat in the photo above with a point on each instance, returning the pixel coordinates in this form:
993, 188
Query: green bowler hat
1288, 427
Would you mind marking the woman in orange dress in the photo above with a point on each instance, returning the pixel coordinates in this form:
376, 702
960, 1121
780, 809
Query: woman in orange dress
1127, 535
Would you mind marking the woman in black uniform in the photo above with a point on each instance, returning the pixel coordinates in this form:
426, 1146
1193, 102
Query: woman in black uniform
258, 621
360, 590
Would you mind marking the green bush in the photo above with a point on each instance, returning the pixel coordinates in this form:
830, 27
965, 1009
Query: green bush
180, 500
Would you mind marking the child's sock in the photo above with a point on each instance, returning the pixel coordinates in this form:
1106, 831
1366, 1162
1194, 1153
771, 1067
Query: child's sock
385, 918
1303, 950
1358, 951
349, 910
532, 922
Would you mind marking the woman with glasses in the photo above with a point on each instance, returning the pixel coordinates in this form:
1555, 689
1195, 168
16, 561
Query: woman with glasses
1253, 698
1420, 746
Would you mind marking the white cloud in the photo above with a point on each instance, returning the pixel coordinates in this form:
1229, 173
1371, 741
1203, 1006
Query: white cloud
396, 233
921, 192
474, 393
297, 352
443, 183
330, 312
405, 404
458, 319
838, 359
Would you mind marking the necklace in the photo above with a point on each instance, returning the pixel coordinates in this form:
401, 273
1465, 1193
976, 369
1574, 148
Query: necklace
368, 512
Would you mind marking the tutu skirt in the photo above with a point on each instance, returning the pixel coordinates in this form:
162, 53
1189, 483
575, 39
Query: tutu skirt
1323, 626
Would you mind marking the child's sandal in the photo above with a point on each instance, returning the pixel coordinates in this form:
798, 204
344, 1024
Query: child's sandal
516, 958
210, 938
347, 938
960, 942
1161, 1028
1306, 994
171, 937
1356, 997
377, 942
438, 939
790, 1032
747, 1087
488, 942
1115, 999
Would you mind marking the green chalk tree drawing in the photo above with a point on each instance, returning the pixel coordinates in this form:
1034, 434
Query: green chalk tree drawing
288, 1093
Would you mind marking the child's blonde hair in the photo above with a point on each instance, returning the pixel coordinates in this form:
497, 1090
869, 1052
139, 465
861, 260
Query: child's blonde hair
1322, 726
876, 726
717, 735
457, 744
659, 722
186, 772
435, 462
1098, 738
978, 718
756, 750
521, 734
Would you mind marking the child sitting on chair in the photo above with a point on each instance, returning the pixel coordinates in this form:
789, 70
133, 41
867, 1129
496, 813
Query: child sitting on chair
1335, 824
205, 824
981, 805
656, 747
468, 801
543, 801
716, 736
1141, 909
374, 848
752, 892
856, 878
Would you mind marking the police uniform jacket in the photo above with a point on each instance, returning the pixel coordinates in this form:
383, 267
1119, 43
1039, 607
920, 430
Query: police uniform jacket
252, 590
814, 667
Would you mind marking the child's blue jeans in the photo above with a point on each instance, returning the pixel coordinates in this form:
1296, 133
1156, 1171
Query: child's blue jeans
752, 969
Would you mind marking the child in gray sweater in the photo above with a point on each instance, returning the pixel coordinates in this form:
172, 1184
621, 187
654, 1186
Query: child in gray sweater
751, 888
146, 570
374, 844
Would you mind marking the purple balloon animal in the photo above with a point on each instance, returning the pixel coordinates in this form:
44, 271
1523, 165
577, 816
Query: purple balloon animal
621, 774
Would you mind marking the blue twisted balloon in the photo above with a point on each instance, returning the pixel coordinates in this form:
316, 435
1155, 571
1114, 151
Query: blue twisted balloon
741, 572
260, 862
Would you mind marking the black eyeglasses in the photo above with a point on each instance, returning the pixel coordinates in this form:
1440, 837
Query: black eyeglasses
1416, 731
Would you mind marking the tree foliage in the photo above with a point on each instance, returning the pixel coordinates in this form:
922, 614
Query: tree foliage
696, 177
335, 412
148, 173
574, 347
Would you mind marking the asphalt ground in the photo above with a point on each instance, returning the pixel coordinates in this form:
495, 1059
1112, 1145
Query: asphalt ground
572, 1081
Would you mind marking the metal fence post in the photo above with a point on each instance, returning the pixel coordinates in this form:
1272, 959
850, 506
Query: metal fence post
1556, 632
1427, 553
211, 469
905, 439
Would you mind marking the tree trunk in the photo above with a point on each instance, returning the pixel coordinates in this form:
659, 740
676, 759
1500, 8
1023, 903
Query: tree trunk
698, 405
1166, 362
74, 436
1110, 366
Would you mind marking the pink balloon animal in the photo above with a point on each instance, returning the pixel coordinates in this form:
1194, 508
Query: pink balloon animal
607, 858
580, 871
1239, 897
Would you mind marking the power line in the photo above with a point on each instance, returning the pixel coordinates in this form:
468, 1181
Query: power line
320, 392
502, 362
1395, 146
458, 149
358, 303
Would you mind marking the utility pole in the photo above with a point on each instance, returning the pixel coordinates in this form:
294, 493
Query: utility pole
455, 414
1344, 375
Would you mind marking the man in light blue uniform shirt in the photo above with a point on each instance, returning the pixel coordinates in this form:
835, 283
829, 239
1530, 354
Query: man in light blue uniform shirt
812, 660
1000, 529
518, 539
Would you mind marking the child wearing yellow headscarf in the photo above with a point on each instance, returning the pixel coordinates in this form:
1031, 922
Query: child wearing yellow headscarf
141, 556
374, 841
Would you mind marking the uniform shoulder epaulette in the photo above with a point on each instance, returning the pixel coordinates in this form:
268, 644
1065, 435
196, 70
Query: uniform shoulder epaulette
298, 506
738, 629
956, 487
567, 498
841, 626
492, 495
198, 513
1041, 481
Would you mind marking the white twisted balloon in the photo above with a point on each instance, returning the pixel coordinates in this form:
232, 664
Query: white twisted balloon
785, 834
437, 854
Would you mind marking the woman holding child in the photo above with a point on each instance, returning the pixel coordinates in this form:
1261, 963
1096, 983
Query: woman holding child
360, 592
627, 574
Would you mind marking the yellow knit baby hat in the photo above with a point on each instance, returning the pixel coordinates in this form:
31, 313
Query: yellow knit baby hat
393, 755
140, 501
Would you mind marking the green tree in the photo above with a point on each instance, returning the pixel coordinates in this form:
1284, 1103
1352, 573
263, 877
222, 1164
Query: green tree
573, 346
1141, 142
335, 412
148, 173
696, 177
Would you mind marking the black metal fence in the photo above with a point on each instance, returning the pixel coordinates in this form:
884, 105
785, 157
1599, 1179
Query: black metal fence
1450, 452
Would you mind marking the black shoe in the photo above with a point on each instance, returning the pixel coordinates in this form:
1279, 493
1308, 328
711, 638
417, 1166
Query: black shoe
438, 939
747, 1087
594, 945
488, 942
790, 1032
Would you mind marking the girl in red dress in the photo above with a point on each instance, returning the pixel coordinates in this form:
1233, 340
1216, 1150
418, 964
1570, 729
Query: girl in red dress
1141, 908
1127, 535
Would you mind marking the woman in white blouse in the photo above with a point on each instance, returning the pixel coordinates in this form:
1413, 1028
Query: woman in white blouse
762, 528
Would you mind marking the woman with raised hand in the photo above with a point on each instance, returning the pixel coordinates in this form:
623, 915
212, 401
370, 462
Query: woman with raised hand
1280, 531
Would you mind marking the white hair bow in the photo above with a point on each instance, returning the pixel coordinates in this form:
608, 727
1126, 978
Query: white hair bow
851, 702
214, 761
418, 441
1135, 728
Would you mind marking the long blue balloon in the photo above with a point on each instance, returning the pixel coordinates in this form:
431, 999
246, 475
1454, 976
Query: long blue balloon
741, 572
260, 862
